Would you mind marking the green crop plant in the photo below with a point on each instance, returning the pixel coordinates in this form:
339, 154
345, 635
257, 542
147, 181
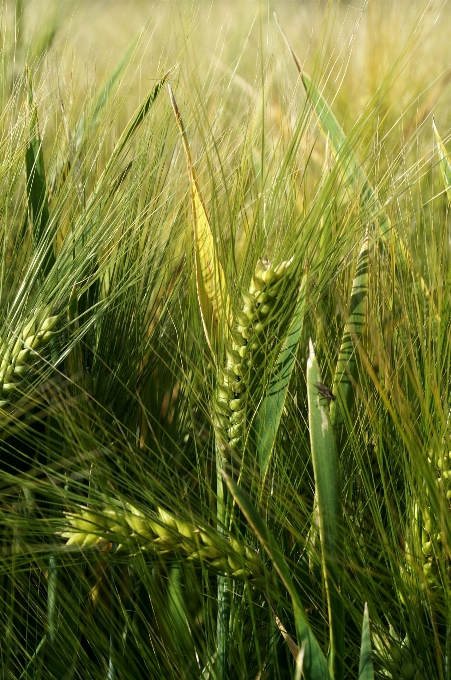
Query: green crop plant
224, 341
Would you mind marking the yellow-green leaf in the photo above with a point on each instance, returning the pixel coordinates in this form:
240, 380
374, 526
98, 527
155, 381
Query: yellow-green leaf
210, 279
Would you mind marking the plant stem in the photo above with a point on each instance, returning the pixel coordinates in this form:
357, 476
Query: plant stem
223, 598
52, 599
111, 667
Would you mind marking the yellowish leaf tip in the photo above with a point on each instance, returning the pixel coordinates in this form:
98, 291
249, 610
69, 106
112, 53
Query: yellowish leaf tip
311, 349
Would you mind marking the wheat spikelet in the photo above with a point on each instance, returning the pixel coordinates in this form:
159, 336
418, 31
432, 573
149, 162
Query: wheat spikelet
17, 351
163, 534
250, 323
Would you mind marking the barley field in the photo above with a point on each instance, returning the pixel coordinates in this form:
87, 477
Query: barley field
225, 340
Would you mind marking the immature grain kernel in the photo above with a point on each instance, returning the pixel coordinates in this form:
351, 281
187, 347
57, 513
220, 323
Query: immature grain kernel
179, 539
15, 353
252, 321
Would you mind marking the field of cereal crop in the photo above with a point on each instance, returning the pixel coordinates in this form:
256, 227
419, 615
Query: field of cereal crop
225, 350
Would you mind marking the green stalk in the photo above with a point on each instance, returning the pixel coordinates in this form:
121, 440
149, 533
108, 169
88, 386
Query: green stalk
52, 600
223, 616
10, 623
111, 675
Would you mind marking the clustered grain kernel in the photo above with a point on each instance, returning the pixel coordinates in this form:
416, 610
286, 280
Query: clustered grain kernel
163, 534
251, 322
16, 354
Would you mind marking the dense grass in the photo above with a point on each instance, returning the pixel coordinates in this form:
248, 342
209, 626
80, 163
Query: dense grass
178, 497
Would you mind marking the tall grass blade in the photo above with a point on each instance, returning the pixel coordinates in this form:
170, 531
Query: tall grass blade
332, 131
269, 414
346, 369
314, 662
112, 182
328, 497
356, 180
210, 279
366, 671
34, 666
300, 663
37, 192
445, 165
105, 91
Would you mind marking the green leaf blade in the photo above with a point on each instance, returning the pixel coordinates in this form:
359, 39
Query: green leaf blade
269, 414
139, 116
353, 172
328, 496
366, 671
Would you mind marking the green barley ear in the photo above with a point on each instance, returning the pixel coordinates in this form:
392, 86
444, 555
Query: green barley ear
20, 350
163, 534
248, 334
346, 369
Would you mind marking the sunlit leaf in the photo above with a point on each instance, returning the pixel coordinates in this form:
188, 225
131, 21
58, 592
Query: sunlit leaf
328, 498
210, 279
